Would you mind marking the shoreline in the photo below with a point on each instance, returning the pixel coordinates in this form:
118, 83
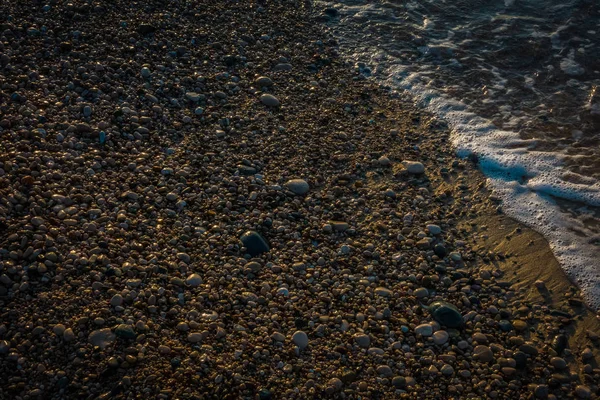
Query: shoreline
123, 272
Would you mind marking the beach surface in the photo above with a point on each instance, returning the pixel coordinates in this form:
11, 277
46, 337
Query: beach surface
204, 200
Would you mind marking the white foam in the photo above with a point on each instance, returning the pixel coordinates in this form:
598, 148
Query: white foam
526, 180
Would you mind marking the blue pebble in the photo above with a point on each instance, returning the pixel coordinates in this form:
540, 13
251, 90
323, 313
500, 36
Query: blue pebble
102, 137
505, 325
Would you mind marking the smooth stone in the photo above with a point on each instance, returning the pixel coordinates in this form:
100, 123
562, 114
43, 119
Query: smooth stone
116, 300
528, 348
298, 186
447, 370
519, 325
425, 330
145, 29
440, 250
195, 337
480, 338
263, 81
101, 337
59, 329
125, 331
283, 67
541, 391
336, 384
520, 359
483, 353
269, 100
558, 363
68, 335
421, 293
194, 280
184, 257
414, 167
376, 351
384, 161
446, 314
300, 339
583, 392
587, 354
254, 243
193, 96
278, 337
171, 196
339, 226
505, 325
399, 382
385, 370
384, 292
146, 73
434, 229
254, 266
362, 340
560, 343
440, 337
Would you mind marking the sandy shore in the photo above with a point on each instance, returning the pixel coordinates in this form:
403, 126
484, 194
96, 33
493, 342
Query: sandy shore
204, 201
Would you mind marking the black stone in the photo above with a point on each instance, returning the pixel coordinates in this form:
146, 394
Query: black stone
63, 382
246, 170
65, 47
230, 60
145, 29
399, 382
125, 332
446, 314
254, 243
520, 359
440, 250
332, 12
300, 323
560, 343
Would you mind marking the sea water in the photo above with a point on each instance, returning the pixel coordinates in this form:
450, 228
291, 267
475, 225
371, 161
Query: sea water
518, 82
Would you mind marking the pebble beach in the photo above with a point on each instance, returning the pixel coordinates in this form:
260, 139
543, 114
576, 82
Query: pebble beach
204, 200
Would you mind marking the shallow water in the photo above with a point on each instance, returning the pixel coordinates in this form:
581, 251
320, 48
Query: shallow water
518, 83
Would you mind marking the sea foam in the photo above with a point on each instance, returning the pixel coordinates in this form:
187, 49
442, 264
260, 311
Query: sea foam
530, 183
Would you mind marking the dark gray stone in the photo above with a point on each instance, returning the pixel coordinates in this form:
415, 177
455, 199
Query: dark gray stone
254, 243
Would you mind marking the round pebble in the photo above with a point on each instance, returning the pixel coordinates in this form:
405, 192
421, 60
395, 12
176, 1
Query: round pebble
298, 186
269, 100
300, 339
